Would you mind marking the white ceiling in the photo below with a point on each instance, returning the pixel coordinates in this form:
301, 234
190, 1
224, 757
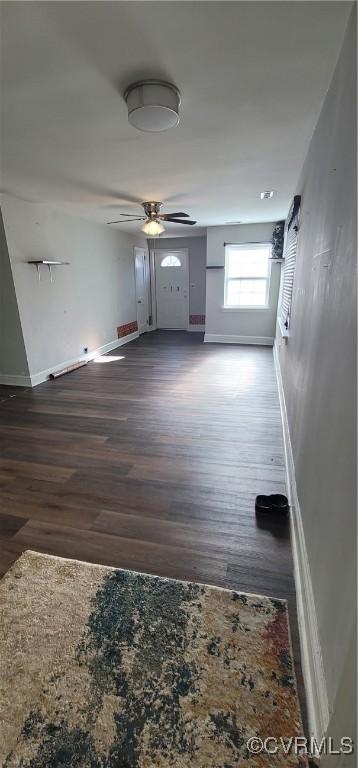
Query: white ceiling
253, 76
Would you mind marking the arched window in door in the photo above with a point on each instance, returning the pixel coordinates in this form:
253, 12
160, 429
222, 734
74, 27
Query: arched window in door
170, 261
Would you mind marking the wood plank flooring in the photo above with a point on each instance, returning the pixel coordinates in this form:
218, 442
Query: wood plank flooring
152, 461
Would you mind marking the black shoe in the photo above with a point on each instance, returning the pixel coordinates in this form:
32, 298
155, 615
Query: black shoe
275, 504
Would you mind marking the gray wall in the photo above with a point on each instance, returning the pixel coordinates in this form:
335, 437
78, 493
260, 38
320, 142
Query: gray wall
343, 720
87, 299
254, 324
318, 365
13, 360
197, 261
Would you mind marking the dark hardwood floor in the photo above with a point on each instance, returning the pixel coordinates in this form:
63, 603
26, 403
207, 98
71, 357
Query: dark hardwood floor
152, 461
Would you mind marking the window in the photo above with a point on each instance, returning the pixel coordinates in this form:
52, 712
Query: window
170, 261
247, 275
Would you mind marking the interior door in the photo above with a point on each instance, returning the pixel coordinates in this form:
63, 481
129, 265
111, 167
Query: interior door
172, 289
141, 287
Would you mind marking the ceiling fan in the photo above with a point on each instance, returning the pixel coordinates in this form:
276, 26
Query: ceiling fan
153, 218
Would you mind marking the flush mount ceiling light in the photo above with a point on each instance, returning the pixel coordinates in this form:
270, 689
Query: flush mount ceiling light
266, 195
153, 105
153, 227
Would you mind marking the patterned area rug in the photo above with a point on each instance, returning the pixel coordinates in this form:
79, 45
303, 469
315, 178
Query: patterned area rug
106, 668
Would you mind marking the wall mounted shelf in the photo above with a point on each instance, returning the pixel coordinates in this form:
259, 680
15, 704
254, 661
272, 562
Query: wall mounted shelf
38, 263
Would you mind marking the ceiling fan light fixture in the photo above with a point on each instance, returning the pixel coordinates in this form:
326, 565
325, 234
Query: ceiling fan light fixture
153, 105
153, 228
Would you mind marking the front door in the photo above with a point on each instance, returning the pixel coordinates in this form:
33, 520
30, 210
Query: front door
172, 289
141, 287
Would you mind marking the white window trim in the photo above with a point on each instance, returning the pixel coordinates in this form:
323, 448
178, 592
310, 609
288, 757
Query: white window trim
247, 307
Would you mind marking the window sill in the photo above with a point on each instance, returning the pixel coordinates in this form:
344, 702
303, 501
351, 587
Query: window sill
266, 308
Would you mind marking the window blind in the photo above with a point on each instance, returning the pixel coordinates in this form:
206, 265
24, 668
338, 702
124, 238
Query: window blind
289, 254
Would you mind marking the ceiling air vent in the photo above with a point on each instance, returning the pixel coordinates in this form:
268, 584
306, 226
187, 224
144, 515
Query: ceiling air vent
266, 195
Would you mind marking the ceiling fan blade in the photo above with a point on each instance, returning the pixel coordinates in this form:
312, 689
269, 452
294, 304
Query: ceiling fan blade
128, 214
122, 221
166, 216
179, 221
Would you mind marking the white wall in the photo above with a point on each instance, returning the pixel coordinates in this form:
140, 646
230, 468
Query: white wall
14, 368
87, 300
245, 325
318, 366
197, 261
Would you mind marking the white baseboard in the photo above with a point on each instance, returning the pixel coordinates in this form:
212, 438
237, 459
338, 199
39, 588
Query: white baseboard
216, 338
311, 654
15, 380
38, 378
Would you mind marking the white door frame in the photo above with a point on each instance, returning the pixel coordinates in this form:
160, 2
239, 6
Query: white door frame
153, 282
153, 293
146, 285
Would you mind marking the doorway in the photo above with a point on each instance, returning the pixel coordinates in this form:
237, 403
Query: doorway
141, 287
172, 289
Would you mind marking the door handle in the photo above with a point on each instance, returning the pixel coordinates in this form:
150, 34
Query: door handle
139, 301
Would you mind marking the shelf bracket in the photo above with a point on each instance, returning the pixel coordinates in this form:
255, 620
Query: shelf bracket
46, 262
